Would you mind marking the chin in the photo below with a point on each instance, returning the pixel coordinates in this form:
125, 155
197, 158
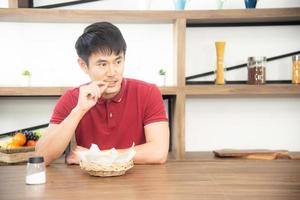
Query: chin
112, 90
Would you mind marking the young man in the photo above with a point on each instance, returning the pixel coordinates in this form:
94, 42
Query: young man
110, 111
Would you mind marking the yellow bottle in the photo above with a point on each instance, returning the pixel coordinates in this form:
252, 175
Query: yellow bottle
296, 69
220, 46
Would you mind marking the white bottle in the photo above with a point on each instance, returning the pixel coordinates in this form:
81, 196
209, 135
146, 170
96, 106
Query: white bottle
35, 171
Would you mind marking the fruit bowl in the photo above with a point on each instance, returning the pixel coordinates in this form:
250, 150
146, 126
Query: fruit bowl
18, 147
115, 169
16, 155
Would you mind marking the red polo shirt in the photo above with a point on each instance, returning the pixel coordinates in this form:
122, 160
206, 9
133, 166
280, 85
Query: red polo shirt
117, 122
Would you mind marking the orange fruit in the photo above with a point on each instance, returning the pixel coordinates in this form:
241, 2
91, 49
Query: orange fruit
19, 139
11, 146
31, 143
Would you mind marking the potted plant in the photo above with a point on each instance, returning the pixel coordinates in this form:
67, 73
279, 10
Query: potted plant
25, 78
162, 74
220, 4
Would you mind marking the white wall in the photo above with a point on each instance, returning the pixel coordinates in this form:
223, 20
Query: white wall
209, 121
214, 123
245, 123
4, 4
24, 112
241, 42
47, 50
168, 4
163, 4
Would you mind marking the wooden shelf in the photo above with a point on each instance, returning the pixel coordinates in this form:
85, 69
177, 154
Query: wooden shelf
169, 90
86, 16
55, 91
32, 91
194, 90
243, 16
142, 17
231, 90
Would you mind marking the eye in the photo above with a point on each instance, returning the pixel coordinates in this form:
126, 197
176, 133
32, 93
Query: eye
102, 65
119, 62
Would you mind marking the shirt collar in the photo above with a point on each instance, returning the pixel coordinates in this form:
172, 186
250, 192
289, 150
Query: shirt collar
118, 98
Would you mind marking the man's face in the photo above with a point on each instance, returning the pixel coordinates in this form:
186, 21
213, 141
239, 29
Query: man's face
107, 68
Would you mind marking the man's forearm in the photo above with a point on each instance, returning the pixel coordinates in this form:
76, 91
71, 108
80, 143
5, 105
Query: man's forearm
150, 153
155, 150
145, 154
56, 139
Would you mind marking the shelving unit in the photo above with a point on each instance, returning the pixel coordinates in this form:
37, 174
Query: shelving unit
180, 20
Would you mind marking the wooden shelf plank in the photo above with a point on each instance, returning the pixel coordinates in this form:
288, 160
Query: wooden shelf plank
227, 90
194, 90
86, 16
169, 90
32, 91
164, 16
56, 91
243, 15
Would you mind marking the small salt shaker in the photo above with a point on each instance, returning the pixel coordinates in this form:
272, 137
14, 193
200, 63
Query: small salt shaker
35, 171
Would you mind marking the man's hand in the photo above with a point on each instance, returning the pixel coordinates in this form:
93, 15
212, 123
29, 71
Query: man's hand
72, 158
89, 94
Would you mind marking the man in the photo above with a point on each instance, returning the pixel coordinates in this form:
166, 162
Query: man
110, 111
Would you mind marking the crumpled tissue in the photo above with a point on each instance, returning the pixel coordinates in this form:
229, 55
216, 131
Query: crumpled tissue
108, 157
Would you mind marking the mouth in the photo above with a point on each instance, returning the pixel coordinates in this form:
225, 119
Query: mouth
111, 83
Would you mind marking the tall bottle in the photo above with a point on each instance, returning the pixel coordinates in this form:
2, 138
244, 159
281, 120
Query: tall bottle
296, 69
220, 79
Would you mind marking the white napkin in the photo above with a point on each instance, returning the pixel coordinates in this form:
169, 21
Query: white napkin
96, 156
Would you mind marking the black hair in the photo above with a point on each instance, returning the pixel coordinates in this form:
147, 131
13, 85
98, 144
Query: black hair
100, 36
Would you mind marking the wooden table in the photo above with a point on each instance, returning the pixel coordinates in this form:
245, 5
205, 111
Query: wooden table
229, 179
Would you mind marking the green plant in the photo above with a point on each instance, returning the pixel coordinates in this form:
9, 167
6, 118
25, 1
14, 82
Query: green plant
162, 72
26, 72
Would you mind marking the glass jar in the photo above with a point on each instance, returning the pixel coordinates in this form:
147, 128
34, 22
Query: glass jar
257, 70
296, 69
36, 171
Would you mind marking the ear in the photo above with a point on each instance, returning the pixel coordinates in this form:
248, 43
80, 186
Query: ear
83, 65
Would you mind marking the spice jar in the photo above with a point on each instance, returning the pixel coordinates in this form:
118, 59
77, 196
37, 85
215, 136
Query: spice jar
257, 70
296, 69
36, 171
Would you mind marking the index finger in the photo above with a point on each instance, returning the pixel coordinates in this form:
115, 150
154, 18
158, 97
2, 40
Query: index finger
100, 83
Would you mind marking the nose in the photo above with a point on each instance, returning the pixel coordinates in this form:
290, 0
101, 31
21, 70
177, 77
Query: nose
111, 70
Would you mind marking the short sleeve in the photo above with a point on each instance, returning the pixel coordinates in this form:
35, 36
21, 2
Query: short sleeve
63, 107
155, 109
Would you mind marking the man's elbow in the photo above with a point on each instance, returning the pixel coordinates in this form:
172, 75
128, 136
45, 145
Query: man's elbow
161, 158
42, 152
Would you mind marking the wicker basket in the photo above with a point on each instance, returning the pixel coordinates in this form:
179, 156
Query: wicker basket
117, 169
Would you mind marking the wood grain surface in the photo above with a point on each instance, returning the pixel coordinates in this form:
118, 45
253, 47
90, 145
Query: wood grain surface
243, 90
56, 91
165, 16
230, 180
